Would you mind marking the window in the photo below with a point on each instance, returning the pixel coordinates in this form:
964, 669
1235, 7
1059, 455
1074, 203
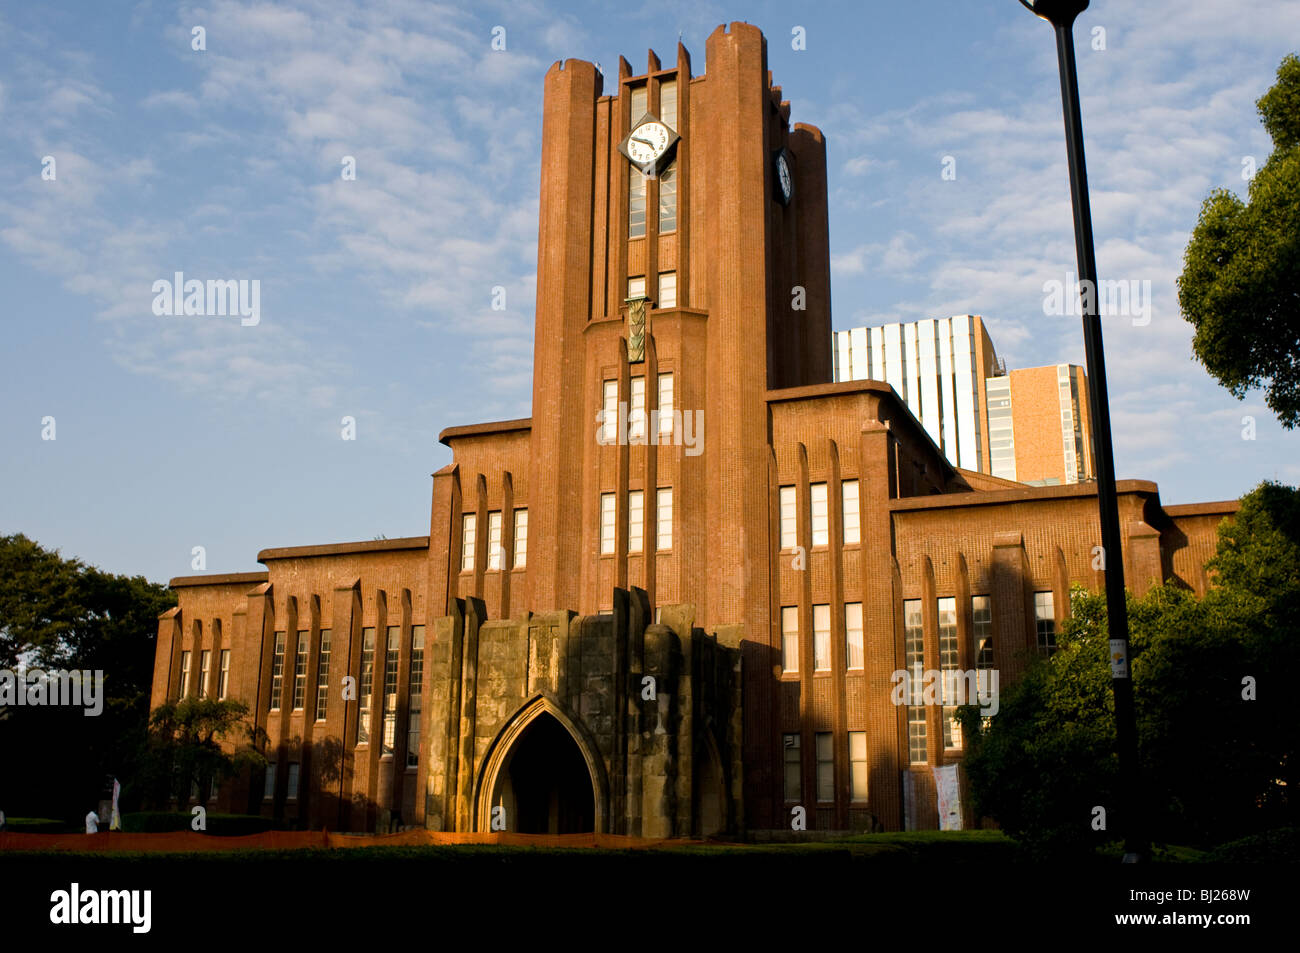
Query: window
367, 685
223, 677
948, 661
521, 538
185, 675
668, 214
1045, 622
822, 638
820, 517
292, 793
268, 787
664, 518
636, 412
858, 765
825, 767
606, 523
852, 520
609, 413
323, 676
394, 641
853, 654
667, 285
495, 552
300, 671
636, 287
468, 538
789, 538
914, 659
635, 205
415, 697
635, 521
982, 619
793, 779
205, 665
667, 104
790, 639
277, 672
639, 104
665, 405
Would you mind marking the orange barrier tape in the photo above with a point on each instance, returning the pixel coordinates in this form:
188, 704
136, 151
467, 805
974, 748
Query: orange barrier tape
194, 842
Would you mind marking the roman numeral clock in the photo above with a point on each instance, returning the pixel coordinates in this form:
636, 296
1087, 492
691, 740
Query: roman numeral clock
649, 147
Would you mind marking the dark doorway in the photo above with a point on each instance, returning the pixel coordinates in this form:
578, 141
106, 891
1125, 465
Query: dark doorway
545, 785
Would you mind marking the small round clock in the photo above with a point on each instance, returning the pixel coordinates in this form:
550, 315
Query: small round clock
648, 142
784, 180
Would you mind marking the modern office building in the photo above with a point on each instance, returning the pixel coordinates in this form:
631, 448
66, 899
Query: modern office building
1039, 428
675, 599
938, 366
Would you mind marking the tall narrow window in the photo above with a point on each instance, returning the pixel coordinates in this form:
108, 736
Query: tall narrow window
635, 203
495, 553
415, 697
665, 405
914, 659
277, 671
1045, 622
609, 413
394, 641
223, 677
948, 661
639, 104
858, 765
668, 212
789, 537
635, 521
820, 516
205, 666
636, 412
636, 287
292, 792
852, 519
185, 675
664, 518
607, 523
667, 104
853, 635
323, 676
300, 670
521, 538
793, 767
982, 619
268, 786
468, 539
822, 638
367, 685
668, 289
790, 639
825, 767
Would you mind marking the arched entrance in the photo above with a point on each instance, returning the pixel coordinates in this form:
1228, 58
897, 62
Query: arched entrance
543, 781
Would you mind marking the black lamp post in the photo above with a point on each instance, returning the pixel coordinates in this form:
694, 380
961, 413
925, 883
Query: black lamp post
1061, 14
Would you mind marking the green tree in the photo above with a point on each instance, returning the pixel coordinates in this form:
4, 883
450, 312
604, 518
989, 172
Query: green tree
1241, 269
1216, 723
186, 747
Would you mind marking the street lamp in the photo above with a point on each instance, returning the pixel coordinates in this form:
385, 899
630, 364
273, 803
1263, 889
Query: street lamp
1061, 14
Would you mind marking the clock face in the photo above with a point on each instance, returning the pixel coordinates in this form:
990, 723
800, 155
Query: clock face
648, 142
784, 180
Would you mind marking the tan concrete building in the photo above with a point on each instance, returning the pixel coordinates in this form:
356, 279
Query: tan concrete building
672, 601
1039, 427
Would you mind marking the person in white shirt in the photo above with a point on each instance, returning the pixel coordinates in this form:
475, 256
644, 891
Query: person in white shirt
92, 823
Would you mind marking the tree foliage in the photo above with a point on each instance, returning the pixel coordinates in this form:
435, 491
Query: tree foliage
1216, 764
186, 747
1240, 286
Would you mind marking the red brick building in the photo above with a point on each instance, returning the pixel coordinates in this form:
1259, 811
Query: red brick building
672, 601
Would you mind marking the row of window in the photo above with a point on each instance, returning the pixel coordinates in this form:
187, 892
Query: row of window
496, 553
388, 713
819, 515
853, 653
636, 520
205, 664
637, 415
636, 217
825, 775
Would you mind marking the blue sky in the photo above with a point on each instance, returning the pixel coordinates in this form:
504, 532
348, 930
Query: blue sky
176, 432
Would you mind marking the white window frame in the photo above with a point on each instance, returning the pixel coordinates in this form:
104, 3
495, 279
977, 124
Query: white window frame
822, 638
636, 415
609, 416
521, 537
820, 514
665, 405
789, 510
664, 518
858, 765
494, 553
790, 640
854, 654
468, 541
635, 521
667, 289
851, 502
608, 514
